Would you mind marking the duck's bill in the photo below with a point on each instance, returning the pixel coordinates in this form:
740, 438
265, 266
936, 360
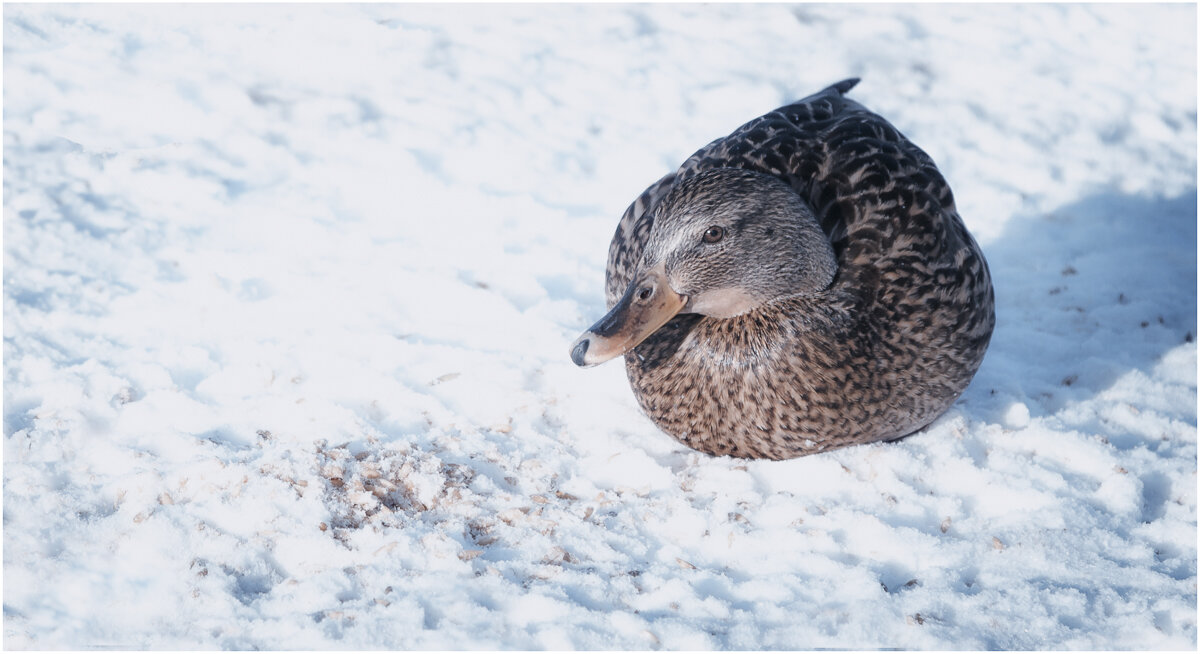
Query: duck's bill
647, 304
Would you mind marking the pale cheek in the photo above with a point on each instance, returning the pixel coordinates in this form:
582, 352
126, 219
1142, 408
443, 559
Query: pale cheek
724, 303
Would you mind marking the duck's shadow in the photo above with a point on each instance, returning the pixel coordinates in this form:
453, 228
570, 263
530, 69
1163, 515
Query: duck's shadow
1085, 294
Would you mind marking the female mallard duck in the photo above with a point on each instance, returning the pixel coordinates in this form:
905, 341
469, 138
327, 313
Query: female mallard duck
800, 285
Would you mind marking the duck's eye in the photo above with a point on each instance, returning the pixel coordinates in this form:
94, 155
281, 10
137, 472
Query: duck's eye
714, 234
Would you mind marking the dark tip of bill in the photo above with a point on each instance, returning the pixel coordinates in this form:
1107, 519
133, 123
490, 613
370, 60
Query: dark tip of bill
579, 350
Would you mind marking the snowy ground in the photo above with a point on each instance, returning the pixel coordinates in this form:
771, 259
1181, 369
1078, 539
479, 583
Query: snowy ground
288, 292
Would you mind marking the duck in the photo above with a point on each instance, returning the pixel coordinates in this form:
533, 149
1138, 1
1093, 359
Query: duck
801, 285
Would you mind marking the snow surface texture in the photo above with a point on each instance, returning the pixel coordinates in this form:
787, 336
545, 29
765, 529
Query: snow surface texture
288, 293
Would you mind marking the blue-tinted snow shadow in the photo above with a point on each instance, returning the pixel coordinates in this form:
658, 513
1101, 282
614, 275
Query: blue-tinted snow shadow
1085, 294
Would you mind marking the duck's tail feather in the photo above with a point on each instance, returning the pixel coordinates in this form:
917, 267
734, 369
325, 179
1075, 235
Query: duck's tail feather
844, 86
836, 90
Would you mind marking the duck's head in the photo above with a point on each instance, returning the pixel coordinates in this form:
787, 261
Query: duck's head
723, 242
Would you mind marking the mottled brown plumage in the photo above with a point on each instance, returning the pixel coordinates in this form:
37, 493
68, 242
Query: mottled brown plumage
874, 355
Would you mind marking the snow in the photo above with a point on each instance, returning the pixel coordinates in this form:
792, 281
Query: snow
288, 293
